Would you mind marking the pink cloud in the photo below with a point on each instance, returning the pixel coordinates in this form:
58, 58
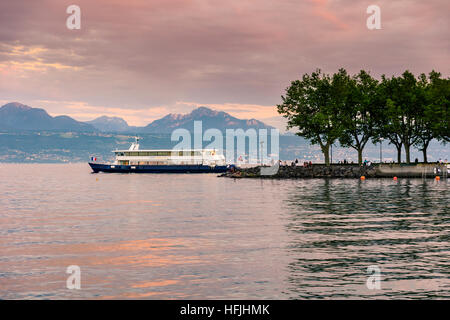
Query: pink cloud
321, 9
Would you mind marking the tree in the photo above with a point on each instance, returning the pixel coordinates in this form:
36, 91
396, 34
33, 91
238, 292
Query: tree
399, 124
311, 105
384, 127
439, 102
427, 115
359, 113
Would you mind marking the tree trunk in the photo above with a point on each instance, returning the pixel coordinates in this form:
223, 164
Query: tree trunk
399, 154
360, 151
408, 154
424, 151
326, 154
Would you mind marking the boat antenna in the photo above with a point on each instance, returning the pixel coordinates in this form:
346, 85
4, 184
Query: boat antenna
135, 144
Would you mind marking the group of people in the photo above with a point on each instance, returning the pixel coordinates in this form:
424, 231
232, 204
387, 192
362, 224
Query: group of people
367, 163
294, 163
307, 164
344, 162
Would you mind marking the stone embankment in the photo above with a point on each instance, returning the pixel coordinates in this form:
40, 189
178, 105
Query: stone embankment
341, 171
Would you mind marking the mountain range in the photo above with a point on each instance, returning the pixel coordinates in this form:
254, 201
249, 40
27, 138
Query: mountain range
17, 116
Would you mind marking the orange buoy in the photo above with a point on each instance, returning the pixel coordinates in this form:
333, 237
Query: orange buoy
363, 178
395, 178
438, 178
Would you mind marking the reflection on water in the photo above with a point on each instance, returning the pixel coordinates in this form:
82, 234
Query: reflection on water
203, 237
338, 228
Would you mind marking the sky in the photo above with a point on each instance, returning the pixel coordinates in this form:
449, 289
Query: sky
143, 59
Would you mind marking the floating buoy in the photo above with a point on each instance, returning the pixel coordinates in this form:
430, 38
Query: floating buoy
363, 178
438, 178
395, 178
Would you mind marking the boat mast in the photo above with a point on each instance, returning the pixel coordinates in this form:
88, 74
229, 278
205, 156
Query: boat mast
135, 145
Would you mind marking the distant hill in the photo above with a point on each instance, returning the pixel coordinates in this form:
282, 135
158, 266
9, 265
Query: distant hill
210, 119
17, 116
111, 124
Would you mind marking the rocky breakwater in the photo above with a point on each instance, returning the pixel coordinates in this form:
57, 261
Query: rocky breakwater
312, 171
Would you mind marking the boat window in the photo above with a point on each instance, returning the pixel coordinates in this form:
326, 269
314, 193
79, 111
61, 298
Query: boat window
164, 153
132, 154
186, 153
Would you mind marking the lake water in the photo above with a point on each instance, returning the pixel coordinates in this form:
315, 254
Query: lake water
158, 236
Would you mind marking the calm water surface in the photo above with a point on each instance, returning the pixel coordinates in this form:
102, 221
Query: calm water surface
201, 237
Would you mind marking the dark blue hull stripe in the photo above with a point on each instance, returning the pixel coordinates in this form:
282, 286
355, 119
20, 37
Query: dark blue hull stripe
97, 167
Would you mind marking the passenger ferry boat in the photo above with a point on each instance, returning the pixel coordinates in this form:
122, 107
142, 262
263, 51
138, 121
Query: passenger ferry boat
163, 161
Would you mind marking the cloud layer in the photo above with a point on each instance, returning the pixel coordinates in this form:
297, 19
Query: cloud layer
142, 59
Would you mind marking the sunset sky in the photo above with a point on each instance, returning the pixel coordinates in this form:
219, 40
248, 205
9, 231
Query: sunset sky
141, 60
